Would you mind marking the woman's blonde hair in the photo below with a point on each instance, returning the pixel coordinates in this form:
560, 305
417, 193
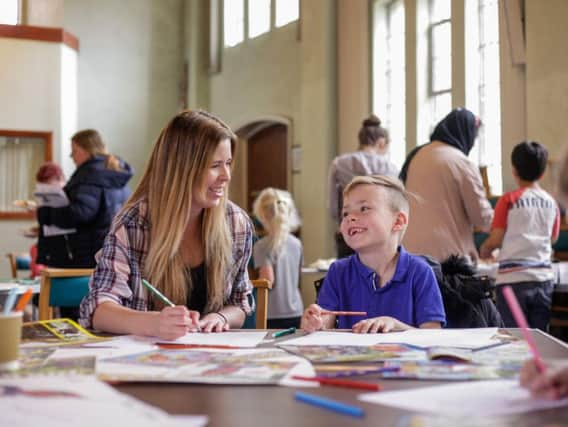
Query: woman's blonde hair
90, 141
277, 213
176, 169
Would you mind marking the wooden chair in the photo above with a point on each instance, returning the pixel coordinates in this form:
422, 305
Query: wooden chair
18, 262
62, 287
258, 319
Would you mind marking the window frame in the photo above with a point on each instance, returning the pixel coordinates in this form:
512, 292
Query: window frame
47, 138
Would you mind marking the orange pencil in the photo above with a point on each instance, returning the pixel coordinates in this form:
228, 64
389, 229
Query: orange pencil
24, 300
344, 313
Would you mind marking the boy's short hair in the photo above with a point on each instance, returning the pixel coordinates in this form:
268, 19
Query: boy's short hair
529, 159
394, 188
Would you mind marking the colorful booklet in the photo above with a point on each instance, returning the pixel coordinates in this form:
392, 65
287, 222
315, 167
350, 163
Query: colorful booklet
347, 353
57, 332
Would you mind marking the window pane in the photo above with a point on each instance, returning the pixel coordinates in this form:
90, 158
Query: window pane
286, 11
9, 12
233, 21
259, 17
441, 57
440, 10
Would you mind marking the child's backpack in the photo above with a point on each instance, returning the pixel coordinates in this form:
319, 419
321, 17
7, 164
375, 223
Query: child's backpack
467, 298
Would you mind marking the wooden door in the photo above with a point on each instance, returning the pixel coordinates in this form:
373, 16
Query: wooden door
267, 161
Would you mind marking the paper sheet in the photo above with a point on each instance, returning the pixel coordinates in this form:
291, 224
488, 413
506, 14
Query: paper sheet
232, 338
466, 338
78, 400
466, 398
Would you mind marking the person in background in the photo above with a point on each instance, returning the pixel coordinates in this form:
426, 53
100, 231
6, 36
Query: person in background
396, 289
51, 174
450, 195
278, 257
180, 233
96, 191
371, 159
525, 258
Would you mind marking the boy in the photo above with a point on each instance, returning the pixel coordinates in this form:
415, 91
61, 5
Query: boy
397, 290
526, 221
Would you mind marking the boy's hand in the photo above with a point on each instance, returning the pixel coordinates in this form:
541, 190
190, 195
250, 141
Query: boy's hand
312, 320
377, 324
551, 385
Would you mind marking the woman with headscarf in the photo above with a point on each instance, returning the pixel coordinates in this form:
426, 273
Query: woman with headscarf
450, 198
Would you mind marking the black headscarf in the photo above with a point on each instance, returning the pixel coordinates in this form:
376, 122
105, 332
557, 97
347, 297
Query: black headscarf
457, 129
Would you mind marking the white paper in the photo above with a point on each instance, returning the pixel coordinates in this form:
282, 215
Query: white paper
26, 402
466, 338
232, 338
473, 398
117, 346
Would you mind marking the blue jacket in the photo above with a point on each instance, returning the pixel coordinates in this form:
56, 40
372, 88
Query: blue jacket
95, 195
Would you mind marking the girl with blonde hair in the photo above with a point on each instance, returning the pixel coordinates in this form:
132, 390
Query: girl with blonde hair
278, 256
180, 233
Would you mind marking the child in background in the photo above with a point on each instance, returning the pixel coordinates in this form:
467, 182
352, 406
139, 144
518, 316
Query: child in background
526, 222
49, 174
278, 257
398, 290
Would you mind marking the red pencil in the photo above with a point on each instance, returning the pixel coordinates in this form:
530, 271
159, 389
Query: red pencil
340, 383
24, 300
174, 346
345, 313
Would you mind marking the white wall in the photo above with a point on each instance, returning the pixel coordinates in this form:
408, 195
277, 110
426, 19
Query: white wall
130, 70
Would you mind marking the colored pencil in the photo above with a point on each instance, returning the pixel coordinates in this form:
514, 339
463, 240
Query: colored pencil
24, 300
340, 383
174, 346
356, 372
344, 313
332, 405
156, 292
522, 323
10, 301
284, 332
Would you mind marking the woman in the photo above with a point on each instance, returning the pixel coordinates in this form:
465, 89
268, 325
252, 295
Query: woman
179, 232
450, 198
370, 159
96, 191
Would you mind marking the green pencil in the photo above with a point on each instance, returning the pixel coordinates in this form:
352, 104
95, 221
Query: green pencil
156, 292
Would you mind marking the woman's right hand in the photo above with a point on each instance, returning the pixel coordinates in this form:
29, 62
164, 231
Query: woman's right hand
312, 319
175, 322
553, 384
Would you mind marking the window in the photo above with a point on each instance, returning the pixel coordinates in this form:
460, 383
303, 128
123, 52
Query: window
440, 61
21, 154
233, 22
9, 12
389, 73
286, 11
483, 85
258, 17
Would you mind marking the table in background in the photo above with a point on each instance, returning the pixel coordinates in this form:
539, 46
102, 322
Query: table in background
274, 406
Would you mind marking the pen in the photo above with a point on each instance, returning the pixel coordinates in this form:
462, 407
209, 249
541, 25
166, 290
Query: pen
340, 383
344, 313
156, 292
288, 331
24, 300
356, 372
332, 405
522, 322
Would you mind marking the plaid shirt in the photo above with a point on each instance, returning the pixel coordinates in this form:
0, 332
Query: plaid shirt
120, 263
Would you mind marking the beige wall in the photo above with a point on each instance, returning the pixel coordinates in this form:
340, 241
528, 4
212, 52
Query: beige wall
130, 70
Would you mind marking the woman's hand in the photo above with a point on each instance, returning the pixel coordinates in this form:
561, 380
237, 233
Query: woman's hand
214, 322
378, 324
312, 319
553, 384
175, 322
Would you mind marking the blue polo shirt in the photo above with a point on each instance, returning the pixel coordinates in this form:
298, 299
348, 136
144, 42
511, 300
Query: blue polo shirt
412, 295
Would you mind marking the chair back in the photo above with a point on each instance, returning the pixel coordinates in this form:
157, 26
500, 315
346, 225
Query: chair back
18, 262
258, 319
62, 287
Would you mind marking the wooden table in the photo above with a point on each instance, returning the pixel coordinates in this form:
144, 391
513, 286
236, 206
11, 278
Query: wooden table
274, 406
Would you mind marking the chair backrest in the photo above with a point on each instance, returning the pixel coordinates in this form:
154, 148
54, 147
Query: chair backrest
258, 319
62, 287
18, 262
